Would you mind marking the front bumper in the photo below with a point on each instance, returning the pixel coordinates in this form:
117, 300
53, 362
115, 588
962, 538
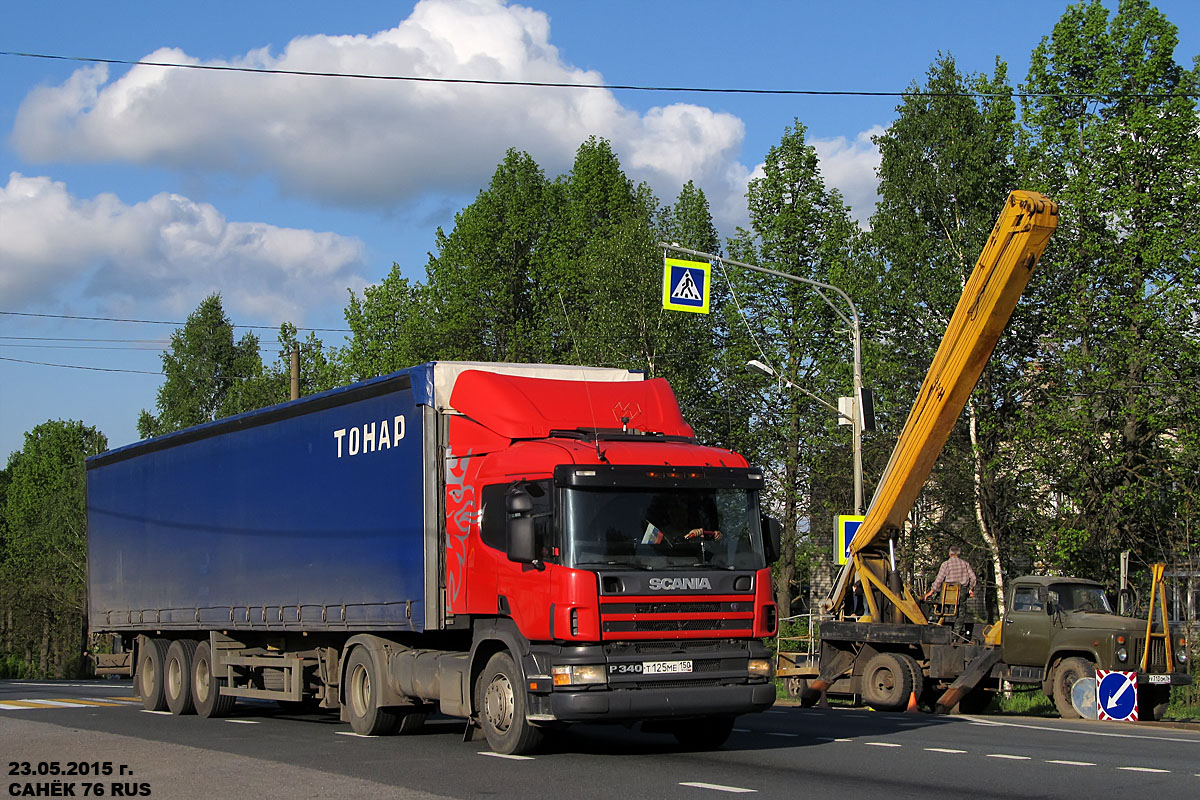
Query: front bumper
617, 705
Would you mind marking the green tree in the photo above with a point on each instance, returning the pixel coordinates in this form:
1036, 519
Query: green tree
801, 227
43, 561
1112, 137
483, 297
203, 369
946, 167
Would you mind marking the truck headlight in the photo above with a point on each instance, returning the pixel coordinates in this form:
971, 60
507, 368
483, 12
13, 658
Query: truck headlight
578, 675
759, 667
1181, 655
1122, 654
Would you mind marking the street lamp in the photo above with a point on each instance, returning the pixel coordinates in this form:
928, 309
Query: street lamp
856, 420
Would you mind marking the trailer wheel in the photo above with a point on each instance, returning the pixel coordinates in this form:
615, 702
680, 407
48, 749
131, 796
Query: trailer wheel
363, 685
708, 733
206, 686
150, 674
500, 705
412, 722
177, 676
796, 687
1068, 671
1153, 702
887, 682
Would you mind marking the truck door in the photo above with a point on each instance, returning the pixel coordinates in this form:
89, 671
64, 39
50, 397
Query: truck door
1026, 636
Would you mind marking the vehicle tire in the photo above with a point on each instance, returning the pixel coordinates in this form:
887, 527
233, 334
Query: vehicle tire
177, 676
500, 708
975, 701
150, 674
363, 685
206, 686
1153, 702
412, 722
795, 687
1068, 671
707, 733
887, 682
918, 676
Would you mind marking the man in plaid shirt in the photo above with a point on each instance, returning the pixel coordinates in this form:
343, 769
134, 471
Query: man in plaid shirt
954, 570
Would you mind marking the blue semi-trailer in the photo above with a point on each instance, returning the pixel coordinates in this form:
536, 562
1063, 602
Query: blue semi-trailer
457, 537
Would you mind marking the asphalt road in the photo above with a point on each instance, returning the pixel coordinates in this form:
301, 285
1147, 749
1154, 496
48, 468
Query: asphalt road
786, 752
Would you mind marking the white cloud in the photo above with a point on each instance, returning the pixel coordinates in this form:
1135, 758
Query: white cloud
850, 167
371, 142
375, 143
168, 253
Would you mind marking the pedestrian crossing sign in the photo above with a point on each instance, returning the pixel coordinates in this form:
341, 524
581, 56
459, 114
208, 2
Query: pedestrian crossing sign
686, 285
843, 535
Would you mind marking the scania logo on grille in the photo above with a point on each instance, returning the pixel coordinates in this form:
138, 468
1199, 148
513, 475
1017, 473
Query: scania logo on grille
669, 584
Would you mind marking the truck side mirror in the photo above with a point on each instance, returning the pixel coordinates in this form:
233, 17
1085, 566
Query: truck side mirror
771, 537
522, 545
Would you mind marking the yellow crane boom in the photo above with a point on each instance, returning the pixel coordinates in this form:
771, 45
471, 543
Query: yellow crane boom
988, 299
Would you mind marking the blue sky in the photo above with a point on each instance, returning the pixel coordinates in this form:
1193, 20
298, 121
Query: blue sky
135, 193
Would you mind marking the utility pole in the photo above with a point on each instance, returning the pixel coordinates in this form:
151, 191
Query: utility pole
295, 394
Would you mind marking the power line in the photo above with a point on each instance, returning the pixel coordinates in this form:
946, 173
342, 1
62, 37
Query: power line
79, 366
162, 322
608, 86
83, 339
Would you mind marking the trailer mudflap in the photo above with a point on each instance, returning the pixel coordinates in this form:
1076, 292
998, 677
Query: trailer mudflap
113, 664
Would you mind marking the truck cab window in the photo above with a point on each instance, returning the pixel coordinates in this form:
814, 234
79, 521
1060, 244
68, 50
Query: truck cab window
1025, 599
492, 525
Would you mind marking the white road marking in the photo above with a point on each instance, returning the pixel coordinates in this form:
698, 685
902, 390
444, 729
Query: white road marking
244, 721
1143, 769
1008, 756
717, 787
148, 711
502, 755
944, 750
994, 723
788, 735
883, 744
22, 705
356, 735
742, 730
1072, 763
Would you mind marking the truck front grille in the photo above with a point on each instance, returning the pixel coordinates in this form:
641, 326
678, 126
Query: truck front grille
676, 618
1157, 662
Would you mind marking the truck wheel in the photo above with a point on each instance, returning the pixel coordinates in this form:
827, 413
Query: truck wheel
362, 697
1068, 671
206, 686
500, 706
1153, 702
918, 676
177, 676
796, 687
887, 682
708, 733
150, 674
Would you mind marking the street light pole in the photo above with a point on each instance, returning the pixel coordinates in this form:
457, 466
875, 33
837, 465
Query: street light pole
821, 288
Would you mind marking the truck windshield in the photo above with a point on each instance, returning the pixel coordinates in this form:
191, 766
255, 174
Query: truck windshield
1077, 597
662, 528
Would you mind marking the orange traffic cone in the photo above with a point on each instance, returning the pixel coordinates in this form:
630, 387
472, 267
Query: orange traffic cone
912, 704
